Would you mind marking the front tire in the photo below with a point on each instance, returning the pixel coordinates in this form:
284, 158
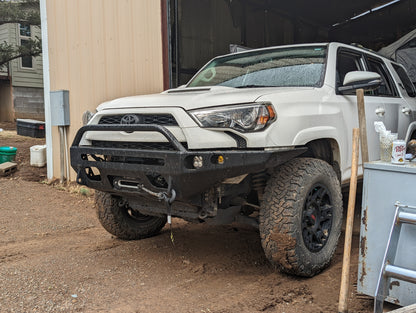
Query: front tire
121, 221
301, 216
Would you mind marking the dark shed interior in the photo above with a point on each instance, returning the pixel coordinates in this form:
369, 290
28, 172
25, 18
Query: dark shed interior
198, 30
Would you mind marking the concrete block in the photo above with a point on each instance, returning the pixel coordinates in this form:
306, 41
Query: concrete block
28, 102
7, 168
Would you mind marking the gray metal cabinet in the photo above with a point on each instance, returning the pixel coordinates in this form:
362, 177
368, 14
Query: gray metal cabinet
384, 185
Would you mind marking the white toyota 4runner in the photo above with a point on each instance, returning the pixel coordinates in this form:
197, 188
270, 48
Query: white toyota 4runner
262, 136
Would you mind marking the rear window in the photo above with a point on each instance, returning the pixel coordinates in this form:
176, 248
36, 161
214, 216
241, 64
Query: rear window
386, 88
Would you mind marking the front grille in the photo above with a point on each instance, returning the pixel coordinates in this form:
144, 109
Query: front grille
158, 119
136, 145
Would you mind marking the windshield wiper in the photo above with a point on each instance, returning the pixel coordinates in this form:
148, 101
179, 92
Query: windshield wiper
252, 86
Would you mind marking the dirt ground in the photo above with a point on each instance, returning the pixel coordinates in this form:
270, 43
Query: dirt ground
55, 257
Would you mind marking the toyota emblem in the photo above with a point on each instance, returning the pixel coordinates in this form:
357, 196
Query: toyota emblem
130, 119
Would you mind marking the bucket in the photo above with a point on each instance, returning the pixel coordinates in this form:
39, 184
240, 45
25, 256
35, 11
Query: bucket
38, 155
7, 154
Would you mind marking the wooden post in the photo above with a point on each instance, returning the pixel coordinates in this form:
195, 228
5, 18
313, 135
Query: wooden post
362, 125
345, 276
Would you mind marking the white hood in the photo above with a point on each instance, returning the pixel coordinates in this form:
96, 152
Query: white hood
194, 98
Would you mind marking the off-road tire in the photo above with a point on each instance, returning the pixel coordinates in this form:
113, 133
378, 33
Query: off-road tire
284, 216
118, 219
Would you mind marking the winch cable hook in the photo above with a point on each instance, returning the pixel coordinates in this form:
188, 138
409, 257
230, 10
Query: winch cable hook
169, 197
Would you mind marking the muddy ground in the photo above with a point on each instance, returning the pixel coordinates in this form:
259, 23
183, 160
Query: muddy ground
55, 257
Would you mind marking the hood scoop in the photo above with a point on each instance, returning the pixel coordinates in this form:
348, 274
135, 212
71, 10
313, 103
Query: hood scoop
191, 89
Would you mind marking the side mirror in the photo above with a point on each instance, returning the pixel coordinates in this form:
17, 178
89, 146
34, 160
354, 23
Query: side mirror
360, 80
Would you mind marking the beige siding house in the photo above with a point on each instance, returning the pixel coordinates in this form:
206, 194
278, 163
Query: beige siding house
98, 50
21, 81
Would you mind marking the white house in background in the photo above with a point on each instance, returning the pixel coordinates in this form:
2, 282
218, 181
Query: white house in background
21, 81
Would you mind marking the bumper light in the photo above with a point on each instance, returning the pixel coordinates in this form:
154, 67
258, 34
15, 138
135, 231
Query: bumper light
198, 162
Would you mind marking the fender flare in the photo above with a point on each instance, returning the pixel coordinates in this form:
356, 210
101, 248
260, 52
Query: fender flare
313, 133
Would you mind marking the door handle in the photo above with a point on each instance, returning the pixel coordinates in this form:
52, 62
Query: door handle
380, 112
406, 111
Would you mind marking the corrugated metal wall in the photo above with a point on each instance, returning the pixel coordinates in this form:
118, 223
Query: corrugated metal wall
100, 50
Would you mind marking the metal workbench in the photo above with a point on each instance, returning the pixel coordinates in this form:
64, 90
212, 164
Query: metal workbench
385, 184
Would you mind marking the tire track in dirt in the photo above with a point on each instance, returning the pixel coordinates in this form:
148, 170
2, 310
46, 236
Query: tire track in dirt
35, 248
55, 257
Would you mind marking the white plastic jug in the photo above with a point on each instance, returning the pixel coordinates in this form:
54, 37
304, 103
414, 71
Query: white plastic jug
38, 155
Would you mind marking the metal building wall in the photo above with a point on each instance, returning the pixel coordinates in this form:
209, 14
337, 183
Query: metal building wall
100, 50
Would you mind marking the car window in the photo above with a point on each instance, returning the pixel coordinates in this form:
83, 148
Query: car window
386, 88
407, 84
347, 62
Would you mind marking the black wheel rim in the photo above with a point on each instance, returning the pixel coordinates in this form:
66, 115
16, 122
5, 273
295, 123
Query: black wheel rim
317, 218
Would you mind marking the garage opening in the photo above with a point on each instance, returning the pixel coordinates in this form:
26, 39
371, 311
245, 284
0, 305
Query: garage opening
198, 30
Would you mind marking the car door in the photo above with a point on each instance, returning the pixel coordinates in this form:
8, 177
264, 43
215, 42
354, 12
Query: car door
387, 94
406, 112
347, 61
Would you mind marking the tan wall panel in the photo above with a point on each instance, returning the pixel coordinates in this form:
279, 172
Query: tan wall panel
100, 50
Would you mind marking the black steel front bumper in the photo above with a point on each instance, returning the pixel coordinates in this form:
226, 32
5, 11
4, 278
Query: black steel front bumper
101, 168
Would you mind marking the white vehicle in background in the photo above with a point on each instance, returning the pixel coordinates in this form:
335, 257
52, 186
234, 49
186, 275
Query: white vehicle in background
262, 136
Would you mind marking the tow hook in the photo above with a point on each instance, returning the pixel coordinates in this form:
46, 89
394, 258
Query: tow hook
168, 196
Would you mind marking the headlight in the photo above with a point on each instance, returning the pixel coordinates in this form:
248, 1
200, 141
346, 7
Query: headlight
86, 117
244, 118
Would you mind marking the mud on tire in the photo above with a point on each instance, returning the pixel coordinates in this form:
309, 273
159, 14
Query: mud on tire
301, 216
121, 221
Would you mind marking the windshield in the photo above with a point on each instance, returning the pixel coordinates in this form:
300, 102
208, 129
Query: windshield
283, 67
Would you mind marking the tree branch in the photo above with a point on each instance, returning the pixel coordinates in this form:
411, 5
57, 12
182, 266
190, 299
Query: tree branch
20, 12
23, 12
10, 52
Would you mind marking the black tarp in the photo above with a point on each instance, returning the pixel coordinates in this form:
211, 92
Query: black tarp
404, 51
